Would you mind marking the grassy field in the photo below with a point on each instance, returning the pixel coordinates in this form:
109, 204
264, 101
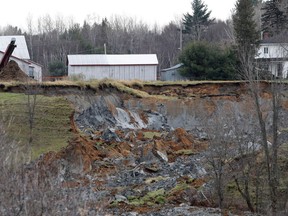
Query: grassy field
52, 121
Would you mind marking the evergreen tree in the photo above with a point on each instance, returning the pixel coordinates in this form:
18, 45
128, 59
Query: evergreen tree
57, 68
274, 19
206, 61
245, 27
195, 24
246, 36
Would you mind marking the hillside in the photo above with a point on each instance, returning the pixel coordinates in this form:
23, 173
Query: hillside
51, 124
134, 148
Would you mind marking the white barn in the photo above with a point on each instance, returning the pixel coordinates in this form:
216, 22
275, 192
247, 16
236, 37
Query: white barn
21, 56
120, 67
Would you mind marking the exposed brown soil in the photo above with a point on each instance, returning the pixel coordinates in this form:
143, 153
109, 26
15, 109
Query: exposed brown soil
201, 90
93, 156
12, 72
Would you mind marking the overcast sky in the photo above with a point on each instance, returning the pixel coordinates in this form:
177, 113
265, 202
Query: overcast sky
149, 11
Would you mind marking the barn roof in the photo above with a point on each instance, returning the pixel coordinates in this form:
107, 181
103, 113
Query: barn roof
21, 51
106, 60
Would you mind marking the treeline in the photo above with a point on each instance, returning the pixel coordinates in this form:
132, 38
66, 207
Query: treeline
50, 40
275, 18
252, 21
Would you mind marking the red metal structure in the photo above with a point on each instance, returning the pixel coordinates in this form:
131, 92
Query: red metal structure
9, 50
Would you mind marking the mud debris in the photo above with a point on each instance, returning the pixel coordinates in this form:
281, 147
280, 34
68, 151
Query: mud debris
12, 72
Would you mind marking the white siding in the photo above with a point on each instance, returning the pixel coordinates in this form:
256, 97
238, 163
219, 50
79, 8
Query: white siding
273, 50
285, 69
37, 71
24, 66
120, 67
274, 68
127, 72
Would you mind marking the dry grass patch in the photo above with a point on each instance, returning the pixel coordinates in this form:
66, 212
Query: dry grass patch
52, 121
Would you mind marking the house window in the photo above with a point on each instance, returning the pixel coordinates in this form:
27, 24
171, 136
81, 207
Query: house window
265, 50
31, 72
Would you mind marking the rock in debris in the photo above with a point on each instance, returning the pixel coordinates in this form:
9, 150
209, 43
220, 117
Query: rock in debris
110, 135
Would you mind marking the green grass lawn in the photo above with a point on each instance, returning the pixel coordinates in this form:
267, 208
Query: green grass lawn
52, 121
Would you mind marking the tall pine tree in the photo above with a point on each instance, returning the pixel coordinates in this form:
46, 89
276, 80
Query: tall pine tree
274, 19
246, 36
196, 23
245, 27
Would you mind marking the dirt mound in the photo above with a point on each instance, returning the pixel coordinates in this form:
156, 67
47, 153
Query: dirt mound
12, 72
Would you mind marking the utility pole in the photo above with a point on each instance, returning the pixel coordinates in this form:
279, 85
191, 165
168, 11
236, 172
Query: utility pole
181, 38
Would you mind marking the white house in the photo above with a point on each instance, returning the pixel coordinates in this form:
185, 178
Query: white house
21, 56
120, 67
274, 57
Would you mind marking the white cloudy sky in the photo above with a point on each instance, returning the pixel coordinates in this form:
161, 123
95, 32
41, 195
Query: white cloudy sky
149, 11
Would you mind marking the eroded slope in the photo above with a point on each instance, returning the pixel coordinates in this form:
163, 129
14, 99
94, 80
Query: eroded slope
144, 156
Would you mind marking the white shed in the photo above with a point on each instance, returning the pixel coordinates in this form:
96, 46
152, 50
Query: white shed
120, 67
32, 69
172, 73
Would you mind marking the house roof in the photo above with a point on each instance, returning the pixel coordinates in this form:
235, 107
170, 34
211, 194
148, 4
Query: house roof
21, 51
19, 59
107, 60
273, 44
27, 61
173, 68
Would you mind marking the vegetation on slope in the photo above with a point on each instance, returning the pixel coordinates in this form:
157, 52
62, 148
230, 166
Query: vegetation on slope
52, 121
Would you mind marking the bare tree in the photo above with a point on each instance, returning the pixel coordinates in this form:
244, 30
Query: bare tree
30, 34
219, 32
233, 151
31, 89
244, 165
220, 145
218, 153
249, 72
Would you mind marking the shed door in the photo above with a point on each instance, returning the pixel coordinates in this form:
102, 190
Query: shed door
142, 72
